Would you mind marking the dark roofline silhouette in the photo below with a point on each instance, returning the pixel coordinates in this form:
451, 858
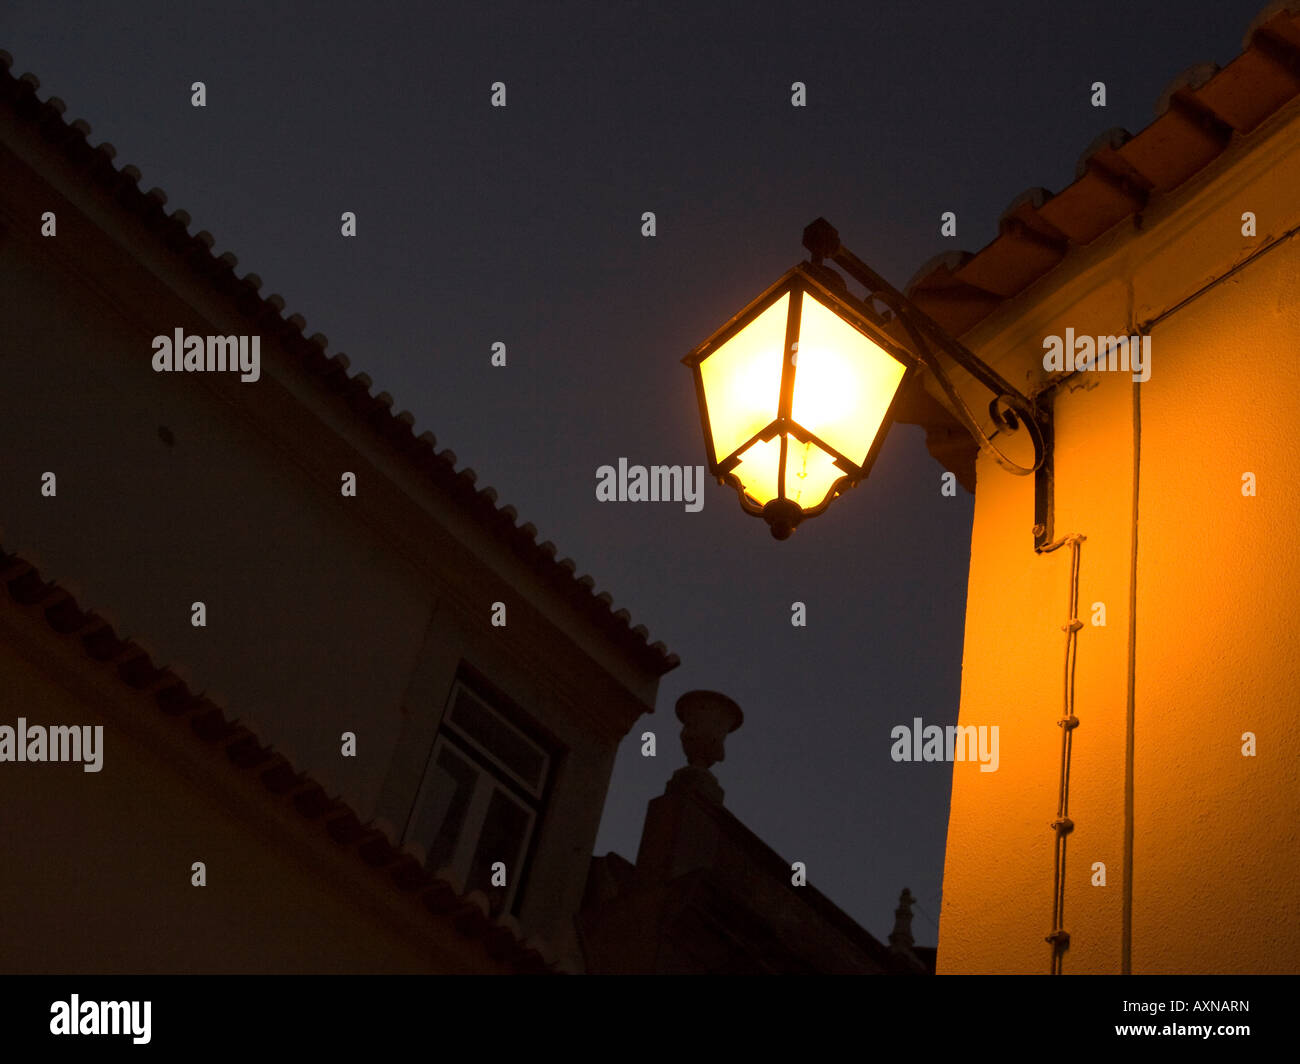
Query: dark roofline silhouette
267, 313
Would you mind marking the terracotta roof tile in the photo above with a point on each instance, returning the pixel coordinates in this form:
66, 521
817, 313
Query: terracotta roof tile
268, 313
1197, 116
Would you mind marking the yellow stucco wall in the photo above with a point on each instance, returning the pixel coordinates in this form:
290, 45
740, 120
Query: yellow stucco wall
1209, 651
1215, 857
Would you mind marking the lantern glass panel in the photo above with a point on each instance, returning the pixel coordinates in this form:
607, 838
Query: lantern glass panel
742, 380
844, 382
810, 474
757, 470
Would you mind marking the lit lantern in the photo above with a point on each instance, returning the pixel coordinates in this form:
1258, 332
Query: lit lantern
796, 393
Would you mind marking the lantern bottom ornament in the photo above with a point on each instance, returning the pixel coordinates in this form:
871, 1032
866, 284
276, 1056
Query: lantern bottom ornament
782, 516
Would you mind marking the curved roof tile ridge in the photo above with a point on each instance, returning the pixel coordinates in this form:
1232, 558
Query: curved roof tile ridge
1198, 114
310, 354
1265, 16
373, 843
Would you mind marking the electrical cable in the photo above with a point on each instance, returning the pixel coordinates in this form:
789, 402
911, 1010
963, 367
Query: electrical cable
1059, 939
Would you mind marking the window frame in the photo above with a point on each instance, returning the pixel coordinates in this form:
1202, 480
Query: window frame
493, 776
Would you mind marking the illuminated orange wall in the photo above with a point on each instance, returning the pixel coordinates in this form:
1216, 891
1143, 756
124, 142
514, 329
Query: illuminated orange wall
1201, 588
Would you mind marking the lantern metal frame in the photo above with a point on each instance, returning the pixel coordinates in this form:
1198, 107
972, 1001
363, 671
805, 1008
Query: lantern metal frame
800, 282
1009, 410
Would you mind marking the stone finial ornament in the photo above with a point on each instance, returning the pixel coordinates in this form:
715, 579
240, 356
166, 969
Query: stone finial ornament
707, 718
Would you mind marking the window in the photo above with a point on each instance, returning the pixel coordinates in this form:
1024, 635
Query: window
482, 794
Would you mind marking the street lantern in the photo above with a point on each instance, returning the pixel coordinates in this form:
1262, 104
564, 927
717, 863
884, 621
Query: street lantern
795, 394
797, 391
